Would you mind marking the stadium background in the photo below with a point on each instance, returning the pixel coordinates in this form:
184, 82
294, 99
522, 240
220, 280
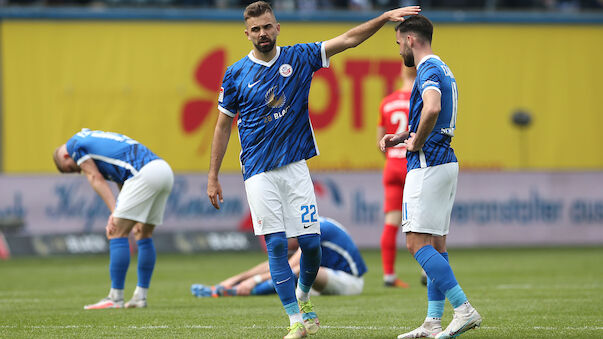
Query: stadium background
154, 75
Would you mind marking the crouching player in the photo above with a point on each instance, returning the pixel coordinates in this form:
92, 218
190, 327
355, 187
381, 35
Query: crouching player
145, 182
341, 270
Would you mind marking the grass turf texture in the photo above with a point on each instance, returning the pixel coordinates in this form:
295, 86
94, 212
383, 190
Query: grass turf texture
521, 293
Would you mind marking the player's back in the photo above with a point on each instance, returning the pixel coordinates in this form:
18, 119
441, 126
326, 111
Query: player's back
117, 156
339, 252
433, 74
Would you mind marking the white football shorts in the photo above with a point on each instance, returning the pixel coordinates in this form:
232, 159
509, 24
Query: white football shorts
342, 283
428, 198
283, 200
143, 197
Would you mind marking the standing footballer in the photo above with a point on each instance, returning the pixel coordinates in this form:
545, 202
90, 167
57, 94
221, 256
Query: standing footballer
269, 89
431, 180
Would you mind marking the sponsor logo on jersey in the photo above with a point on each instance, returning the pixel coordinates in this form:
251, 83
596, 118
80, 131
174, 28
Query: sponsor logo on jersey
285, 70
272, 100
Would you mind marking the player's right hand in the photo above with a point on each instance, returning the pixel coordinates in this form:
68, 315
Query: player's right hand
214, 192
400, 13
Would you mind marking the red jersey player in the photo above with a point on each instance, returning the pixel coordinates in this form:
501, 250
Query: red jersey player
393, 118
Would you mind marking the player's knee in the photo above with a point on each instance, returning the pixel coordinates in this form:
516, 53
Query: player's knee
276, 244
411, 247
141, 231
309, 244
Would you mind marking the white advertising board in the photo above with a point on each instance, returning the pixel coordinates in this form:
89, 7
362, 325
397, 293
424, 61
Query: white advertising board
491, 208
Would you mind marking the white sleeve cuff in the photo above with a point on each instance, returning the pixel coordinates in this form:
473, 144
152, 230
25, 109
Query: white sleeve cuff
431, 87
225, 111
323, 55
82, 159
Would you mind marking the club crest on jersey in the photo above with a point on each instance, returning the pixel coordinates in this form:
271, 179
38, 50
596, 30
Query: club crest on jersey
272, 100
285, 70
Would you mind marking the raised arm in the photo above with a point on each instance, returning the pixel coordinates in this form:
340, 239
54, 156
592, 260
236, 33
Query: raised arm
360, 33
218, 149
98, 183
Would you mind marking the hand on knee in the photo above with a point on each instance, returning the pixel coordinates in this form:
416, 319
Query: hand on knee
110, 228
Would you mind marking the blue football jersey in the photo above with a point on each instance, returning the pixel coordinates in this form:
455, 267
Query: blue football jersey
117, 156
433, 74
338, 250
272, 101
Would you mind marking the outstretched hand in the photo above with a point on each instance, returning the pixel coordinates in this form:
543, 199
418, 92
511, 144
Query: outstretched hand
400, 13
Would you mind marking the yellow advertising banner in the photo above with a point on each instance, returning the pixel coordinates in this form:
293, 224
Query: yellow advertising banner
158, 82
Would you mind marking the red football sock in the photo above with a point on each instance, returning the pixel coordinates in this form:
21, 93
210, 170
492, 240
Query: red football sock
388, 248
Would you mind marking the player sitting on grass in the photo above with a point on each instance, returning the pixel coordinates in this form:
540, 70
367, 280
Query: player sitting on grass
340, 273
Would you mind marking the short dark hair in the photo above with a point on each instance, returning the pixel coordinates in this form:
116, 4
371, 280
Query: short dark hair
419, 25
256, 9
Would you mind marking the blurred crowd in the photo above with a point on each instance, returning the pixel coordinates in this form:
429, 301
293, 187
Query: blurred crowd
315, 5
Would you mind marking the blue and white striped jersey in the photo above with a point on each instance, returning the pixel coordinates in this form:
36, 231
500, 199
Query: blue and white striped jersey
339, 252
432, 73
117, 156
272, 101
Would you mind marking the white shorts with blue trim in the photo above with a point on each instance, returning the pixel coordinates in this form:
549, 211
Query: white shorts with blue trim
143, 197
428, 198
283, 200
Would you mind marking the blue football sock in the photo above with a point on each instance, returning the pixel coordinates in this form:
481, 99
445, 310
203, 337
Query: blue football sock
146, 261
439, 272
456, 296
263, 288
435, 298
309, 261
119, 254
284, 280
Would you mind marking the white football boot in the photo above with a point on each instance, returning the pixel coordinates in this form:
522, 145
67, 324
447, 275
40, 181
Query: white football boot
426, 330
465, 318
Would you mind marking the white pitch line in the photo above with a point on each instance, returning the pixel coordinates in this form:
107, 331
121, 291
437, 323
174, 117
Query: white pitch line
377, 328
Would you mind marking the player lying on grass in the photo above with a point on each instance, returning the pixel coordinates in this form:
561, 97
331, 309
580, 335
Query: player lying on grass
145, 182
340, 273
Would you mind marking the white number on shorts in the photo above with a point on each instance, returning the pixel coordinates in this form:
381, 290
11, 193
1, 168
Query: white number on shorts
311, 210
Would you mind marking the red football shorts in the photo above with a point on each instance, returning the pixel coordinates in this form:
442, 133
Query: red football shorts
394, 175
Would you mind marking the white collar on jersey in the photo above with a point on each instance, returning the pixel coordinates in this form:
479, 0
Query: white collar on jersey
428, 57
264, 63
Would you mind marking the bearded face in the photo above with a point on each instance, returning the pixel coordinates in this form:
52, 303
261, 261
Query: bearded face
262, 32
407, 55
265, 44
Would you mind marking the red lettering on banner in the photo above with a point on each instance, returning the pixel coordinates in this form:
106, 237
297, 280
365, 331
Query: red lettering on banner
358, 70
323, 118
390, 71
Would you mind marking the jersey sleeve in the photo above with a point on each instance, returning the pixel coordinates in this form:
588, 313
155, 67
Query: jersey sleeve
76, 150
315, 55
431, 79
227, 99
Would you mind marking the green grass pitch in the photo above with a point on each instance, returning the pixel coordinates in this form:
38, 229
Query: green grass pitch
521, 293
